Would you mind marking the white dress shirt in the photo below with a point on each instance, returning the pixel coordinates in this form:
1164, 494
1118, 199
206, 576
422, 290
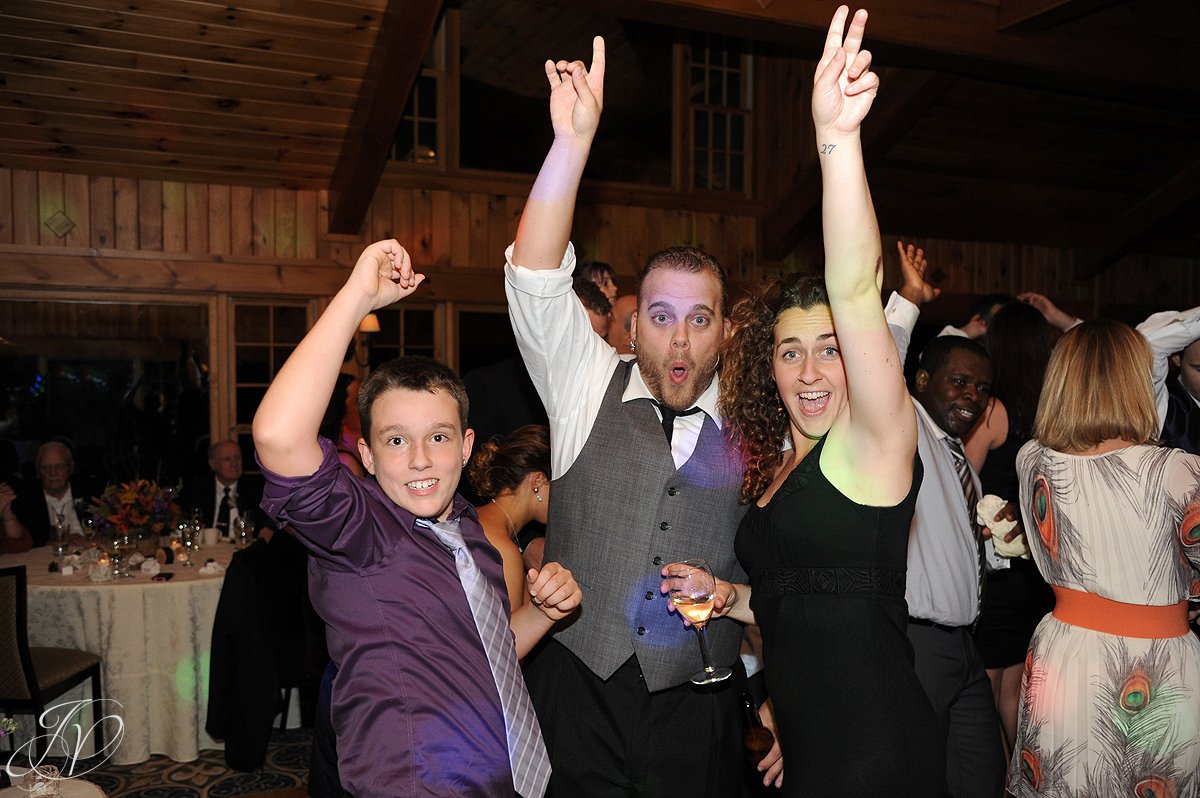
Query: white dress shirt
943, 557
1168, 332
65, 505
571, 366
233, 504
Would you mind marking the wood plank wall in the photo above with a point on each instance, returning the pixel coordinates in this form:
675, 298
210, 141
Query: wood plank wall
466, 230
443, 229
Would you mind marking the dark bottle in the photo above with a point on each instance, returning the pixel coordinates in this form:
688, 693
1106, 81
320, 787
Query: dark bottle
757, 741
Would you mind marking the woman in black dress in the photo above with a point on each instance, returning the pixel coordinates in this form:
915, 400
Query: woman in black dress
812, 362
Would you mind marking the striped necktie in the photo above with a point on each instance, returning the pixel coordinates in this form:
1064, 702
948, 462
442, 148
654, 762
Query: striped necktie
526, 749
971, 496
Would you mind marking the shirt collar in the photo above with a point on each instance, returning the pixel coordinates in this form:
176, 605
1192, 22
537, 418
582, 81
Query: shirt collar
707, 401
939, 434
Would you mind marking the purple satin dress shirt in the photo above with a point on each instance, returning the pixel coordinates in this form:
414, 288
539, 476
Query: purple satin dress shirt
415, 706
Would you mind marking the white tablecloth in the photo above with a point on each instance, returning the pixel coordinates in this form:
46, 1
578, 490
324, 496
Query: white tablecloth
154, 638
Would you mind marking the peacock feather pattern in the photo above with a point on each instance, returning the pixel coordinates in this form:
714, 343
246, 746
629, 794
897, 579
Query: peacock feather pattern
1106, 715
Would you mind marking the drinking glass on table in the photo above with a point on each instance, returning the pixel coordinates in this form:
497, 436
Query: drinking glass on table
240, 532
60, 534
188, 532
125, 547
693, 589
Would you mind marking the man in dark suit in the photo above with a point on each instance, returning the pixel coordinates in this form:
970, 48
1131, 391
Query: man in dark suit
225, 493
40, 505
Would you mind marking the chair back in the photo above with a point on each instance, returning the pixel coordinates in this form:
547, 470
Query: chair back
18, 682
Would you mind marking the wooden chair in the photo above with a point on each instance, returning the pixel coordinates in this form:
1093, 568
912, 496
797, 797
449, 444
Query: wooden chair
32, 677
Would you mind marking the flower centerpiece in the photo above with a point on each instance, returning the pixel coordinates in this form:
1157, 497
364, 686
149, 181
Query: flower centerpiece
139, 508
7, 727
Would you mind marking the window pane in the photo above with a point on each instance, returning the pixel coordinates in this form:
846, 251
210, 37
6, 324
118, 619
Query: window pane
427, 98
737, 172
700, 168
253, 364
737, 138
720, 141
248, 400
715, 84
733, 89
252, 323
418, 328
290, 324
701, 133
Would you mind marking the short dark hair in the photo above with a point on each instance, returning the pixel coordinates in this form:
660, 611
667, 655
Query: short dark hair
411, 373
595, 269
986, 306
591, 296
686, 259
937, 352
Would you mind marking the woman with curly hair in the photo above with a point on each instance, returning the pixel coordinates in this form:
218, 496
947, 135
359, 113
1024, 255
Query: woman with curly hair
513, 473
825, 539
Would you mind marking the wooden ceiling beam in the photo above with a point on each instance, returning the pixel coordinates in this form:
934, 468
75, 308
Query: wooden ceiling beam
906, 98
920, 34
1112, 240
404, 35
1031, 16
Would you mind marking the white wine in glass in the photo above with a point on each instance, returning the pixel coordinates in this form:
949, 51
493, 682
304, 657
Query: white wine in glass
693, 589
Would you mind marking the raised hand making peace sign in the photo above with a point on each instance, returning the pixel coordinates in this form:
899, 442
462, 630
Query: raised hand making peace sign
844, 85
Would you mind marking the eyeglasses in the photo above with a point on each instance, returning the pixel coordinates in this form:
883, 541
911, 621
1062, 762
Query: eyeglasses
52, 468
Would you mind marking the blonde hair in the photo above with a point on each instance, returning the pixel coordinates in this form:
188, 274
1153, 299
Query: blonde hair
1097, 388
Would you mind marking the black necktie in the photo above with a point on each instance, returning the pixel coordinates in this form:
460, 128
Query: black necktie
669, 416
223, 511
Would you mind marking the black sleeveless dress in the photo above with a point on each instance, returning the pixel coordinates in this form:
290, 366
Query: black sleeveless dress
828, 592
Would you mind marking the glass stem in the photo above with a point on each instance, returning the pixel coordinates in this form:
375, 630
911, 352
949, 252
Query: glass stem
708, 666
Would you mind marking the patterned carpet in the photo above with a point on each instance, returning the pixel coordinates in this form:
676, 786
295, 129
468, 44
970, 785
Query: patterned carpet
283, 776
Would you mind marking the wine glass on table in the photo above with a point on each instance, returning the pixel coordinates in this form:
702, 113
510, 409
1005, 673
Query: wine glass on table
188, 531
60, 534
693, 589
125, 546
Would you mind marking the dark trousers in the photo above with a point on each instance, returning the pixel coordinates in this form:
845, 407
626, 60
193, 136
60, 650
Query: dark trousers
951, 671
614, 738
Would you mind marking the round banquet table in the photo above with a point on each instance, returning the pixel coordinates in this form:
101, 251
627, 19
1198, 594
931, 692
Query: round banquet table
154, 638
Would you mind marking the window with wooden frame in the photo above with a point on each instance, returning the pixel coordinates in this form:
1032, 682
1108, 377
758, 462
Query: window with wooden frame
719, 78
403, 330
264, 335
421, 135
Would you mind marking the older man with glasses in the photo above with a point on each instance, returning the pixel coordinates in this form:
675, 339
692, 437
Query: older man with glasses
40, 507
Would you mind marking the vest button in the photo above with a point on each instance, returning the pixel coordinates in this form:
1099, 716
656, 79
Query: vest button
671, 491
664, 526
641, 630
658, 560
649, 595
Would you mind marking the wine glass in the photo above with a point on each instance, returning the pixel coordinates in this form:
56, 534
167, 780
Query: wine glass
187, 536
88, 523
241, 532
125, 546
693, 589
60, 534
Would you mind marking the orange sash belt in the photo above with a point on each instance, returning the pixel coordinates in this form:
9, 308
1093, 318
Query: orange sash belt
1118, 618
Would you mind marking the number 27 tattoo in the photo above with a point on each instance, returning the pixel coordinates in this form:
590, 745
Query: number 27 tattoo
827, 148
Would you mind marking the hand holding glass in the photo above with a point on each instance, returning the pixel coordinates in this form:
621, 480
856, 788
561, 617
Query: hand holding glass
692, 591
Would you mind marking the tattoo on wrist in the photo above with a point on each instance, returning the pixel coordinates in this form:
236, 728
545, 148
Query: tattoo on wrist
826, 149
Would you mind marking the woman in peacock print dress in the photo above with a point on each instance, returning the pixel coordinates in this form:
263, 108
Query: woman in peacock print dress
1110, 702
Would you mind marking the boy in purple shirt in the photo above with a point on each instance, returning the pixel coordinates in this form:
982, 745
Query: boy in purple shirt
425, 701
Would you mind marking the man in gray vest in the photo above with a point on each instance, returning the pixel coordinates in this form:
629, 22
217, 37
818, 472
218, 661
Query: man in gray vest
642, 477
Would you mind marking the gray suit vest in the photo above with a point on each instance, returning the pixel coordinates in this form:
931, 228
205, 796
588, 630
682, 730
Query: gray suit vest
623, 511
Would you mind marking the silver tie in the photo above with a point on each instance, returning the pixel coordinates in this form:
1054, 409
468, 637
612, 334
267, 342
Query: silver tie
526, 749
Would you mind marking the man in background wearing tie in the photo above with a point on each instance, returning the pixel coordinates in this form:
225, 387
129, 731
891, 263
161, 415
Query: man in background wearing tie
612, 689
226, 492
945, 555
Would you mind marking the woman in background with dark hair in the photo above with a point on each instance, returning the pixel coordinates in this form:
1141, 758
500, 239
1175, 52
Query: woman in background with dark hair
1019, 341
514, 474
340, 423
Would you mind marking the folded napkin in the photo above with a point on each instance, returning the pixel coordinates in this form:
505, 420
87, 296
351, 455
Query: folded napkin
985, 511
151, 567
136, 559
212, 568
